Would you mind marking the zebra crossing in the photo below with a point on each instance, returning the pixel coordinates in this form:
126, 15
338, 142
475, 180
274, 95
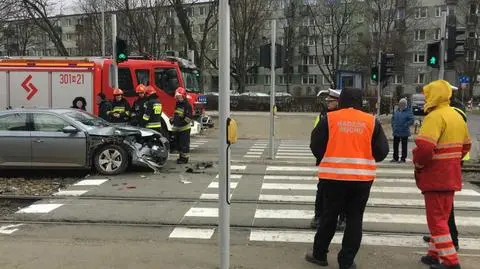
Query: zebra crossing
300, 150
256, 150
195, 143
285, 206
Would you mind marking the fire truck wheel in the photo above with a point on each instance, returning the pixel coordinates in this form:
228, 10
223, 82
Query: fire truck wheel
111, 160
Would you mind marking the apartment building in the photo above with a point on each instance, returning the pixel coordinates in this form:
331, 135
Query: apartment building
300, 74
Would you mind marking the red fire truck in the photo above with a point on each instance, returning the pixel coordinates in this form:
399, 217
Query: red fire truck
56, 81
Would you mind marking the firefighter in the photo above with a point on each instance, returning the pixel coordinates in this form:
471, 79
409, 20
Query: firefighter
181, 125
104, 106
152, 116
332, 105
442, 142
348, 142
138, 107
120, 109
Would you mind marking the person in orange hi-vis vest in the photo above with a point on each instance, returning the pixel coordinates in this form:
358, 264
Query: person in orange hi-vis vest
442, 142
348, 143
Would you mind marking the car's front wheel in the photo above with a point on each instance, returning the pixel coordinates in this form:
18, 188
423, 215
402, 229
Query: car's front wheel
111, 160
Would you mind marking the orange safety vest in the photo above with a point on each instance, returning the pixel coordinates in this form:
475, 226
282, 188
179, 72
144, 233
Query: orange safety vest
349, 150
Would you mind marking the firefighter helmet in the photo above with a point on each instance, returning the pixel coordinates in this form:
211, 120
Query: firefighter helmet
117, 91
140, 88
181, 91
150, 90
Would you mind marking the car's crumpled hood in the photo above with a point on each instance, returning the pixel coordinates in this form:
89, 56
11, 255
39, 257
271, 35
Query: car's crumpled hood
121, 131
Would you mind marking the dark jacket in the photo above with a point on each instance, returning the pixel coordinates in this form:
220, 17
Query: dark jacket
182, 116
121, 107
319, 137
152, 115
137, 110
79, 98
103, 108
401, 122
455, 103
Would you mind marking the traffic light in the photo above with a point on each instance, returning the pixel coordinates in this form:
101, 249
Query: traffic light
433, 54
374, 74
456, 39
387, 65
121, 49
265, 55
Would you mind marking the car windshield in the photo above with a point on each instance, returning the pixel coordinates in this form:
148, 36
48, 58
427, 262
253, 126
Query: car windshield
418, 98
87, 119
191, 77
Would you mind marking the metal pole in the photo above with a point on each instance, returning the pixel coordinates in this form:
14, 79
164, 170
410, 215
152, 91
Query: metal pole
114, 51
271, 142
379, 84
103, 28
223, 114
443, 23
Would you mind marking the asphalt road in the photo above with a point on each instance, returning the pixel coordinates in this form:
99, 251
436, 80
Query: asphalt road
169, 220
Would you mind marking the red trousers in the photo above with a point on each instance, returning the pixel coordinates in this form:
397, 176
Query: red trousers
438, 206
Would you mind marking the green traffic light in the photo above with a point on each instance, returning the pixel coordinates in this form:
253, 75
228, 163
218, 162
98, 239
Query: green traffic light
433, 60
122, 56
374, 77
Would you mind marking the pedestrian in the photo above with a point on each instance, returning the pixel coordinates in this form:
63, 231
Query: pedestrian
181, 122
152, 116
442, 142
402, 119
120, 109
138, 108
332, 105
460, 108
347, 142
103, 106
79, 103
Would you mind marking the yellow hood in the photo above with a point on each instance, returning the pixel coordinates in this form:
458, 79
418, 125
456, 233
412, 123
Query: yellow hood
437, 93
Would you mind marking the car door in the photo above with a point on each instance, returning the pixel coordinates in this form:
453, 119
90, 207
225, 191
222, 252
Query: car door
51, 147
15, 149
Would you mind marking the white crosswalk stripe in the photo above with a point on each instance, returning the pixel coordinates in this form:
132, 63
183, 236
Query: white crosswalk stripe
256, 150
195, 143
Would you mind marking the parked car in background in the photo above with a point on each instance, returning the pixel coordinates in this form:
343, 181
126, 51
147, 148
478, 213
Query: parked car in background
70, 138
418, 101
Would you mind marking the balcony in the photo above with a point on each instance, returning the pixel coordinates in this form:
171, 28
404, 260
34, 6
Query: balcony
303, 69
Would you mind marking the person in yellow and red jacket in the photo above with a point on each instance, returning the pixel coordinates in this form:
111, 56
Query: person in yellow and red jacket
181, 121
442, 142
348, 142
120, 109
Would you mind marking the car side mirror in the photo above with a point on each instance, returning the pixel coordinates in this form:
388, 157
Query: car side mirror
70, 130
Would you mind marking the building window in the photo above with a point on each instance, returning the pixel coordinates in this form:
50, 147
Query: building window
421, 12
267, 80
285, 79
419, 58
438, 11
327, 59
344, 59
311, 41
310, 79
420, 35
309, 60
420, 78
436, 34
398, 79
325, 80
327, 40
202, 11
251, 80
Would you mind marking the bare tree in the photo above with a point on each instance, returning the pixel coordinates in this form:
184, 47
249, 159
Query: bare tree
248, 21
333, 25
89, 31
39, 11
201, 42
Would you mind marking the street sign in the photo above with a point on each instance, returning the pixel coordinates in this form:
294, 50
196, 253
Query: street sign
464, 79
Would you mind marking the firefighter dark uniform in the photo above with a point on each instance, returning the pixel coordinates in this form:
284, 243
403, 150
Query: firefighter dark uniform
181, 125
348, 143
120, 108
152, 118
138, 108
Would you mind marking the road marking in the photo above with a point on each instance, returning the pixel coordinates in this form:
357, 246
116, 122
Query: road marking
254, 153
371, 201
383, 180
406, 171
294, 150
295, 154
379, 189
206, 212
211, 196
252, 156
39, 208
233, 176
238, 167
214, 185
90, 182
70, 193
294, 157
195, 233
9, 229
368, 217
259, 150
367, 239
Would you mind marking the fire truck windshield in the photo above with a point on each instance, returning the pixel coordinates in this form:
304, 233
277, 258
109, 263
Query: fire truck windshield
191, 77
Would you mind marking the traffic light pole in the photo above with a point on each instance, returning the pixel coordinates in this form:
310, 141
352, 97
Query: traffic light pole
441, 71
114, 52
379, 82
271, 141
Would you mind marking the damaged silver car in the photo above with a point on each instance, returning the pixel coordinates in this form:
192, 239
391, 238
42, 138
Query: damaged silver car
70, 138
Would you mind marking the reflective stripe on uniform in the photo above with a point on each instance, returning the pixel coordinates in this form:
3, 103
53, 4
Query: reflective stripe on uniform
317, 119
182, 128
441, 238
348, 160
157, 108
451, 155
179, 111
152, 125
446, 251
146, 117
347, 171
118, 109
